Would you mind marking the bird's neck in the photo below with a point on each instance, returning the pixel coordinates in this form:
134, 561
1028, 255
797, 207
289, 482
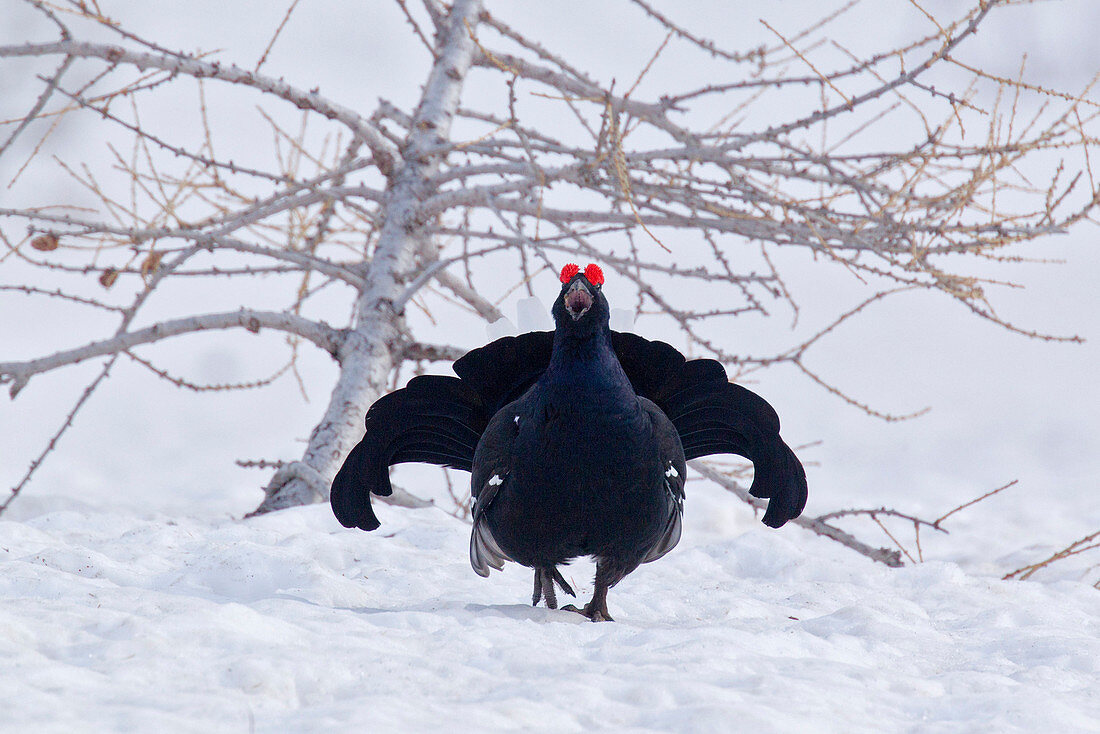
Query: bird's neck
587, 363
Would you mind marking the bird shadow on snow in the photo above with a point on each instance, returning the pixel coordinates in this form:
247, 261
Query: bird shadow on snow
519, 612
526, 612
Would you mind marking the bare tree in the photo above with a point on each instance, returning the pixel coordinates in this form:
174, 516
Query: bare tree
901, 165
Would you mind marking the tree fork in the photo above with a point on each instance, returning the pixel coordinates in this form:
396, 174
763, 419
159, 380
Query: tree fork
372, 348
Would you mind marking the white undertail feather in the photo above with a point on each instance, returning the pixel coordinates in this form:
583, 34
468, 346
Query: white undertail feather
532, 315
622, 319
500, 328
484, 551
669, 538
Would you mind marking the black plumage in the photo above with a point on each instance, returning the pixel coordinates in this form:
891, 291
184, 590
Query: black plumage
576, 440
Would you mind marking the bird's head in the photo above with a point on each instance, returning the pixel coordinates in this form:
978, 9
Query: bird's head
581, 306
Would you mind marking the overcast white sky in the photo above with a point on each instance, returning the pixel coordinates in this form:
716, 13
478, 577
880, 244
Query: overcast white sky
1003, 407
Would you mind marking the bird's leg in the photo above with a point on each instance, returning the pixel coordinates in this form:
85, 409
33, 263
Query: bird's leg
544, 587
536, 596
596, 609
548, 589
545, 578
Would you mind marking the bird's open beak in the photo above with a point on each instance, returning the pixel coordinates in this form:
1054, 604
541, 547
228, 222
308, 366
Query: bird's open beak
578, 300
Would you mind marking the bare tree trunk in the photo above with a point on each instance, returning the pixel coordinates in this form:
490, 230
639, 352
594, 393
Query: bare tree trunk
369, 350
859, 161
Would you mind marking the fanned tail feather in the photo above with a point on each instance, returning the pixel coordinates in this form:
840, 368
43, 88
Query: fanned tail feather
439, 420
433, 420
723, 418
350, 494
501, 371
778, 476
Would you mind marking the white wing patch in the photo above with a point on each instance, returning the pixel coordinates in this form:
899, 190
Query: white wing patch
672, 471
495, 480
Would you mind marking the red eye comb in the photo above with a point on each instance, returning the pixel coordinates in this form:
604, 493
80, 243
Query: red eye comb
594, 274
569, 271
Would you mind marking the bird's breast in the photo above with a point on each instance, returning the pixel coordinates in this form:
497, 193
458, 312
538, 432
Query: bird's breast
581, 449
585, 479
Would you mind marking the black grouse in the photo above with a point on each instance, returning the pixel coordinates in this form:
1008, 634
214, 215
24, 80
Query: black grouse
577, 441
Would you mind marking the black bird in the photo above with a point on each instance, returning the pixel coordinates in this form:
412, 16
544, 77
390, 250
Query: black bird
577, 441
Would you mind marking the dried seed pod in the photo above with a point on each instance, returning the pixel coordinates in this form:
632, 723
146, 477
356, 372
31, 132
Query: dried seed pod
108, 277
151, 262
45, 242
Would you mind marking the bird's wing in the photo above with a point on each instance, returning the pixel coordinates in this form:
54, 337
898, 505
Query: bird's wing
501, 371
715, 416
674, 471
434, 420
492, 469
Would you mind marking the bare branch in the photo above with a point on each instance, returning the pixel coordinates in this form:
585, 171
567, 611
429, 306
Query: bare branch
324, 336
926, 163
275, 36
886, 556
43, 98
1077, 547
974, 501
383, 151
56, 437
707, 45
431, 352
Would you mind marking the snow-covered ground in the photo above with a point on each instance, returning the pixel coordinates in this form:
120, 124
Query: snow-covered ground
115, 620
145, 606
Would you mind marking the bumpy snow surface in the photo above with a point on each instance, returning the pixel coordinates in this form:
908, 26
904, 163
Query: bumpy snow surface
119, 621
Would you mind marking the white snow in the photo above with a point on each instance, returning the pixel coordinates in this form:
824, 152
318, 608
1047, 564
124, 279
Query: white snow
122, 621
120, 618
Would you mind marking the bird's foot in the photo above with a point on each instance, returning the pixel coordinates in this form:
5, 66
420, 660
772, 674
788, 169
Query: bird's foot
594, 613
545, 578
